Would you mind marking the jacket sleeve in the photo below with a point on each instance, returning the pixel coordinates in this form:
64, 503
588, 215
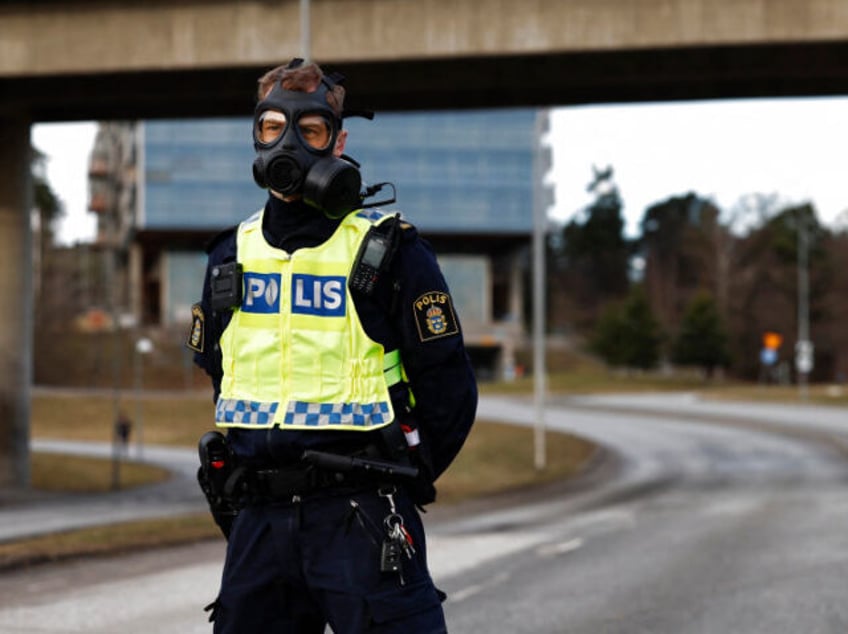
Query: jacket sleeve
210, 324
440, 375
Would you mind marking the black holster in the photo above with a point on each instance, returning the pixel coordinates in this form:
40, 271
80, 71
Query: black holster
220, 479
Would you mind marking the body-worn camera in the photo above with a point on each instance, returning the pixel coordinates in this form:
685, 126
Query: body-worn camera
226, 286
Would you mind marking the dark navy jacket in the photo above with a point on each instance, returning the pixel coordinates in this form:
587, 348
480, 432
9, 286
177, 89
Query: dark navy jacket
440, 374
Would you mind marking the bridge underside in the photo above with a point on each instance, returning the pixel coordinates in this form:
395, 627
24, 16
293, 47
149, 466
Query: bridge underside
777, 70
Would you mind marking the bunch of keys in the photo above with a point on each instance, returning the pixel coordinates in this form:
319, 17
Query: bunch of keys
398, 541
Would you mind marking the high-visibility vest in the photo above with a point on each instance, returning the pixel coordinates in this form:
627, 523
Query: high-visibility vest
295, 353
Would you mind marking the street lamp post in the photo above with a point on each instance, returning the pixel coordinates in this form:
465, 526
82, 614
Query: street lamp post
305, 30
804, 347
142, 347
540, 222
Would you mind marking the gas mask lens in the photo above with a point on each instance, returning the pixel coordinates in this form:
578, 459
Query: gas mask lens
316, 130
270, 126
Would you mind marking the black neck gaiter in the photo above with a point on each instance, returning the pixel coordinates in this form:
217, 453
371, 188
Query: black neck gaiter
295, 225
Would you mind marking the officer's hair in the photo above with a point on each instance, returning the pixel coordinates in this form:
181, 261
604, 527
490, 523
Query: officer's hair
304, 78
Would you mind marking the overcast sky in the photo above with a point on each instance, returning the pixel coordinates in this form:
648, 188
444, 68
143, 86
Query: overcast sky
67, 146
718, 149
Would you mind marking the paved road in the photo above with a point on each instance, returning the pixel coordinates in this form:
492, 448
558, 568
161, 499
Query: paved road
705, 528
743, 531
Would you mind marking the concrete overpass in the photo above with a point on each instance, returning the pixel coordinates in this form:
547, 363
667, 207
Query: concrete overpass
103, 59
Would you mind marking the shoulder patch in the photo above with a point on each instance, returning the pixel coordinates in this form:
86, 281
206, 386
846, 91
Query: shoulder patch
434, 315
198, 328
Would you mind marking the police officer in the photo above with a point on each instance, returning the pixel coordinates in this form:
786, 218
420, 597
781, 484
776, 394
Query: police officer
340, 378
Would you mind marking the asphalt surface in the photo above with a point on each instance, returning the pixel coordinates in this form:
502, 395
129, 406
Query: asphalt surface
702, 518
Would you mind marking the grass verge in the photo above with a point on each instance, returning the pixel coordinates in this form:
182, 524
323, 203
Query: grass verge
595, 380
496, 458
111, 539
167, 420
80, 474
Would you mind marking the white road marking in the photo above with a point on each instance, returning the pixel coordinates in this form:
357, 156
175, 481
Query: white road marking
561, 548
470, 591
449, 555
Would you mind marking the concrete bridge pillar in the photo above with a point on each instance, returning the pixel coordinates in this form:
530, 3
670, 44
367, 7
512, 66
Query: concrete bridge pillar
16, 300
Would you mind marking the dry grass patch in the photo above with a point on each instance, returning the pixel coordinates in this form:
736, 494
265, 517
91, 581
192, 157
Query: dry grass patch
179, 420
80, 474
818, 394
499, 457
111, 539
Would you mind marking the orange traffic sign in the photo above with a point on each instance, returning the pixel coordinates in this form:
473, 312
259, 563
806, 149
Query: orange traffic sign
772, 340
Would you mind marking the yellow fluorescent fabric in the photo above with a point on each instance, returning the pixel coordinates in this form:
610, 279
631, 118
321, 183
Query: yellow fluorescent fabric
295, 353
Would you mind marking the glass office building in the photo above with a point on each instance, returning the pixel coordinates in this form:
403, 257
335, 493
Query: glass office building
197, 174
457, 172
464, 179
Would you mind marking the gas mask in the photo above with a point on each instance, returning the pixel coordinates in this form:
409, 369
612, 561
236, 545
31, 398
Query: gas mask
294, 134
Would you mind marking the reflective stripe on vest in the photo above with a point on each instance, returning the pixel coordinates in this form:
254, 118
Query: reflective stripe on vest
295, 353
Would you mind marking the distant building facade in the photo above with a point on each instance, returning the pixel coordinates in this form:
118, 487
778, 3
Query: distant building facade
467, 180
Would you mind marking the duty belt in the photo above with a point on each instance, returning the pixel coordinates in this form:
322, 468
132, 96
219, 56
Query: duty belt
319, 471
267, 485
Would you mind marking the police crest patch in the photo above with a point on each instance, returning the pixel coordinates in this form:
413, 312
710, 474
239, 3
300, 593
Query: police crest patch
434, 315
195, 335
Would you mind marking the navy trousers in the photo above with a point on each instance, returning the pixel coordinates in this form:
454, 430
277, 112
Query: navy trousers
293, 568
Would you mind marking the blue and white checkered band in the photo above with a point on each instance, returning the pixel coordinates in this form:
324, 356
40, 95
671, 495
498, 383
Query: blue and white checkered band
330, 414
370, 214
232, 410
